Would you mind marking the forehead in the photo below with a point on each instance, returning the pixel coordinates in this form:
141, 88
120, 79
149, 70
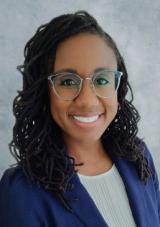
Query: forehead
84, 53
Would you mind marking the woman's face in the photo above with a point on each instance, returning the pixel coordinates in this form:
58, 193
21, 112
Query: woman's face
83, 53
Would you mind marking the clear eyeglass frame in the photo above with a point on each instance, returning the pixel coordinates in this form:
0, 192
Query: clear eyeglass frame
90, 77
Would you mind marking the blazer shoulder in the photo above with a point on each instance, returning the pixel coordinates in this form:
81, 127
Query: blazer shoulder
15, 189
14, 178
148, 156
23, 203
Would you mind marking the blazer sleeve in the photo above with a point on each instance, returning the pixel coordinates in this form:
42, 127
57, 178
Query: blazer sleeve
154, 177
20, 204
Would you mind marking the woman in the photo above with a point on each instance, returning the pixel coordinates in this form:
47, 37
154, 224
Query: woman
79, 160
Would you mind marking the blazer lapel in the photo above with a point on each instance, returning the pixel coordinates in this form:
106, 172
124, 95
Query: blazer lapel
86, 210
136, 192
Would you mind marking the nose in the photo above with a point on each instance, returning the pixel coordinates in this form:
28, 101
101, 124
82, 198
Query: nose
87, 97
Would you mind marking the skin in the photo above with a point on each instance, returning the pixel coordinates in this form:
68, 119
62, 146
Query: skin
84, 53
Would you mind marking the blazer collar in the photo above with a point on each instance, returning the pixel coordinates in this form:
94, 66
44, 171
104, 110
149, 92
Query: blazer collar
85, 208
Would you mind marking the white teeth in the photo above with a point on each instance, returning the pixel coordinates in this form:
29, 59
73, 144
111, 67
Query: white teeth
86, 119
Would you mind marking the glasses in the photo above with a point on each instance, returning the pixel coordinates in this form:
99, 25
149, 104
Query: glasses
67, 85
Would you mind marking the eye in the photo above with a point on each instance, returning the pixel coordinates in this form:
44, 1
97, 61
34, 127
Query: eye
101, 81
67, 82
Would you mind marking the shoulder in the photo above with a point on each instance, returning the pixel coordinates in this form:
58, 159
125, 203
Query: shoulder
154, 178
15, 189
14, 180
22, 201
14, 184
148, 155
12, 176
146, 151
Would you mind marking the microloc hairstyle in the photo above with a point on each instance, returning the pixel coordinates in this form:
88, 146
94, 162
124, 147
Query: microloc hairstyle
37, 143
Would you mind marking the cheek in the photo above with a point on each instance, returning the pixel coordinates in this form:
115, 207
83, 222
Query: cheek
53, 104
111, 104
111, 107
53, 112
59, 109
56, 109
115, 107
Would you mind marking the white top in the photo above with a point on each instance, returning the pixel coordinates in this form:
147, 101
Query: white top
108, 192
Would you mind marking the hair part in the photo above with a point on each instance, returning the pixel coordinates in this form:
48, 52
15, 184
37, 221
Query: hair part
37, 143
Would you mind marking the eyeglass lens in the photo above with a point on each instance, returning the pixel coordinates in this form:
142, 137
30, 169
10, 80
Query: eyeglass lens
68, 85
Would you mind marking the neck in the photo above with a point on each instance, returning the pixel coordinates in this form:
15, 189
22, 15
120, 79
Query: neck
86, 152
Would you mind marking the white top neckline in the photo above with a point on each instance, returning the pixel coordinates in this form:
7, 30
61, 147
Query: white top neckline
101, 175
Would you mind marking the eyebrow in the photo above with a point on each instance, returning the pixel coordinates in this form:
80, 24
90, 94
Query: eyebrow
70, 70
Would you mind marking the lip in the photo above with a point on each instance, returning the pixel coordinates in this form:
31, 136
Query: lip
86, 114
86, 124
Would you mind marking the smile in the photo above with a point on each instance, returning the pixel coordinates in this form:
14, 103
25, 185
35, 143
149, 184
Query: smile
86, 119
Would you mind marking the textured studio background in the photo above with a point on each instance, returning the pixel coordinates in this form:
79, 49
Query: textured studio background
134, 25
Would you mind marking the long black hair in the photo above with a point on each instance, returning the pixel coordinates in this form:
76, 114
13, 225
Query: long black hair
37, 143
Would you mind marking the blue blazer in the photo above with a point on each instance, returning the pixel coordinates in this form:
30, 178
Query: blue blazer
26, 205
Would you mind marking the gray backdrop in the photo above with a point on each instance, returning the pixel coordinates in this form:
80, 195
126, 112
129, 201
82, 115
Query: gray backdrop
134, 25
